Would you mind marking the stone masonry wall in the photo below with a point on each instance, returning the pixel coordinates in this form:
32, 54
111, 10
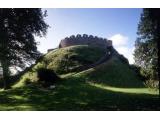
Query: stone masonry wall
93, 42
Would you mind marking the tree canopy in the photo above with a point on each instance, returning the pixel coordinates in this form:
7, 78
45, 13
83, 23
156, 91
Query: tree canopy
17, 30
146, 46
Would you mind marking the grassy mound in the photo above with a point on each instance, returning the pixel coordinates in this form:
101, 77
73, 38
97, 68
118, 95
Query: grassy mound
68, 59
63, 61
112, 73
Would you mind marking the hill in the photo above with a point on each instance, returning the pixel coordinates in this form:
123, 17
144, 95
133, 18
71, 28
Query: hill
69, 59
111, 85
64, 60
115, 71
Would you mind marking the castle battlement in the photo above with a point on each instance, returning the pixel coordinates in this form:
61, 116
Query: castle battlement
85, 40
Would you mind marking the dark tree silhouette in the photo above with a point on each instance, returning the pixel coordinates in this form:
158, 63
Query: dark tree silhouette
17, 43
147, 50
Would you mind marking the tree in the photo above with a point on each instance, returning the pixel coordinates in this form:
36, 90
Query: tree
17, 43
146, 46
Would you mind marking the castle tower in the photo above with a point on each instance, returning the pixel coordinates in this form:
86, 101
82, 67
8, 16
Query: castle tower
86, 40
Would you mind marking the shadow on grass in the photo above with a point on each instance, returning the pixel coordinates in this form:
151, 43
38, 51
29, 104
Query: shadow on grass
70, 95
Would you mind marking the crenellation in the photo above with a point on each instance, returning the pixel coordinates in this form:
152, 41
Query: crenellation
85, 40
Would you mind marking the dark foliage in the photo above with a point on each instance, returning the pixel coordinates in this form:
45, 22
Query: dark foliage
18, 27
47, 77
17, 43
146, 46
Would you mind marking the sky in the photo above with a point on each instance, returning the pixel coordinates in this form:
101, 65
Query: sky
119, 25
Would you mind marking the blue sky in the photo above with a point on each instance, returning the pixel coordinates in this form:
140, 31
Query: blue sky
119, 25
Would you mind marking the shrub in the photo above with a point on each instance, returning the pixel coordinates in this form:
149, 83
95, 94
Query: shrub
47, 77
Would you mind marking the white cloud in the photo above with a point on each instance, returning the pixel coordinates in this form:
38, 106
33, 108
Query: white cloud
119, 40
121, 44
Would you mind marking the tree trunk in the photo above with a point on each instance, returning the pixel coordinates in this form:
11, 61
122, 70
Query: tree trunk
5, 68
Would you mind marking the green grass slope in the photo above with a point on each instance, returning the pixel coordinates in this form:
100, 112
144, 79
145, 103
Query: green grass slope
112, 73
67, 59
63, 61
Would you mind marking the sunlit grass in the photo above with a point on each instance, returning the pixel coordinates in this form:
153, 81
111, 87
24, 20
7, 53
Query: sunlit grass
126, 90
1, 90
17, 107
18, 97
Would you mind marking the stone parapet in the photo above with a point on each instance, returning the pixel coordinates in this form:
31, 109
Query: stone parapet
97, 42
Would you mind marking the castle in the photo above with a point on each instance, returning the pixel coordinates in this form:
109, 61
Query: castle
85, 40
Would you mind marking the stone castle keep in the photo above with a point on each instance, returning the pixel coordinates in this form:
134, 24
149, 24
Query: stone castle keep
85, 40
